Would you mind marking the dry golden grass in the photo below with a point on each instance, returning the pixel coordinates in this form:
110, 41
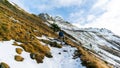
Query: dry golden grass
36, 48
28, 28
88, 59
18, 58
53, 44
24, 31
39, 58
15, 43
19, 50
4, 65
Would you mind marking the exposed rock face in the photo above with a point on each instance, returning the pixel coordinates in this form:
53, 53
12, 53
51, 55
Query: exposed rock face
45, 16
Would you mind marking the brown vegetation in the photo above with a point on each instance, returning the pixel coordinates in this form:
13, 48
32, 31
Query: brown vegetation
18, 58
19, 50
4, 65
53, 44
88, 59
39, 58
30, 26
23, 27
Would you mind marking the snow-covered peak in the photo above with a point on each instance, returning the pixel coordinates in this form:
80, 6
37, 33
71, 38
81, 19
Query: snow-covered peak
58, 18
67, 25
46, 16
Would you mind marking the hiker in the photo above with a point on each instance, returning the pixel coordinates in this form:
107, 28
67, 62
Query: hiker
61, 36
90, 45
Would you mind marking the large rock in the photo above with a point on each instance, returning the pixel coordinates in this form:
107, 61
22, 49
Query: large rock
32, 55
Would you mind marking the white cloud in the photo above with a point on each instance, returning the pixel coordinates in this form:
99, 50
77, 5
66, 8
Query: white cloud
110, 19
76, 17
90, 18
59, 4
68, 3
44, 7
100, 3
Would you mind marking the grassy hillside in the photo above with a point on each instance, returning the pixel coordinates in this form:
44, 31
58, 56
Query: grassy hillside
24, 27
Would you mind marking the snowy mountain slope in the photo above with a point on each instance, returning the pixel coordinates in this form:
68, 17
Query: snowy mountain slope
57, 20
62, 57
102, 42
17, 26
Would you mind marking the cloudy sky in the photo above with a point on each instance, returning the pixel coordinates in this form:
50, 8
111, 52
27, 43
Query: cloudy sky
82, 13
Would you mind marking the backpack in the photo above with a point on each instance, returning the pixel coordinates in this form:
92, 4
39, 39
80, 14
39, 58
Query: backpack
61, 34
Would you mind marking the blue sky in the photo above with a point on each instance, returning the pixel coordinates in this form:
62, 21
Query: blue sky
82, 13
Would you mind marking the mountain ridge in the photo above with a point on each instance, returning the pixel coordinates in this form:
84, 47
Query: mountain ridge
94, 39
34, 36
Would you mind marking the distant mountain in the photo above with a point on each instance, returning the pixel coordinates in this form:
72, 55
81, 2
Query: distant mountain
101, 42
29, 41
58, 20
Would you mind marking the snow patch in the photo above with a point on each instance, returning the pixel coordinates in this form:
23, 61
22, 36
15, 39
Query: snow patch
61, 59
